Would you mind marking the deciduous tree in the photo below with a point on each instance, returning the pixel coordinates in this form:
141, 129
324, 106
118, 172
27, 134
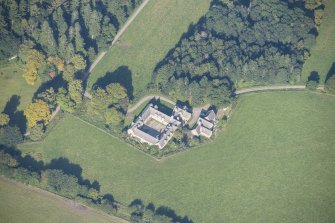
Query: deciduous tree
4, 119
76, 90
37, 111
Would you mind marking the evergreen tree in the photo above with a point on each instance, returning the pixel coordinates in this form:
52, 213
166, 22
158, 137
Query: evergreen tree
47, 40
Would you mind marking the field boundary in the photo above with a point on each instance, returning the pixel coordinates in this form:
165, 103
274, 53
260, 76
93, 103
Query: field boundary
71, 204
115, 137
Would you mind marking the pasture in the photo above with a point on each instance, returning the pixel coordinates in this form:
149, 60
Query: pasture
147, 40
20, 204
273, 163
322, 58
12, 83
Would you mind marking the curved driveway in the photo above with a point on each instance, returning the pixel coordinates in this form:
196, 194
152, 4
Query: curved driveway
242, 91
148, 98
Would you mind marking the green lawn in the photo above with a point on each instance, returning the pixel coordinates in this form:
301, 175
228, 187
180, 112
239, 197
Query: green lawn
323, 53
12, 83
19, 204
148, 39
273, 163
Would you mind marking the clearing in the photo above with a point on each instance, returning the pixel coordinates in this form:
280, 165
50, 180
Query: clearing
21, 203
12, 83
147, 40
323, 53
273, 163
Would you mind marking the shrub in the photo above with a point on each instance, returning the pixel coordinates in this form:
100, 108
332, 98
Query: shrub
37, 132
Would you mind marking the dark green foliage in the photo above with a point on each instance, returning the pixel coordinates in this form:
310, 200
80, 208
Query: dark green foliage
61, 27
37, 132
109, 103
313, 81
66, 185
264, 42
10, 136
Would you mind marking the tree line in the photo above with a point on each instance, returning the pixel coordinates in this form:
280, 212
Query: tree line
240, 43
56, 179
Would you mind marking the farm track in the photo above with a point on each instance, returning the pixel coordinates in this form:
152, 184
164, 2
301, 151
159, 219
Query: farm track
239, 92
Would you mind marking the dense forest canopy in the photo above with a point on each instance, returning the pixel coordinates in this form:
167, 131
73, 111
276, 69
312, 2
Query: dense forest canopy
258, 41
61, 27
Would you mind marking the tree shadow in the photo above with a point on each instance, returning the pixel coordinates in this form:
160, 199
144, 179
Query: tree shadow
17, 118
72, 169
121, 75
12, 105
29, 163
166, 211
314, 76
136, 202
20, 120
55, 83
331, 72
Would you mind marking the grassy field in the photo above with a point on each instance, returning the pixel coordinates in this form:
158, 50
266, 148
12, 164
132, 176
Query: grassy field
12, 83
148, 39
19, 203
323, 53
273, 163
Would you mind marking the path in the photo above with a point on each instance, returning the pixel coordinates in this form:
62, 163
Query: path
238, 92
270, 88
117, 37
61, 201
54, 113
148, 98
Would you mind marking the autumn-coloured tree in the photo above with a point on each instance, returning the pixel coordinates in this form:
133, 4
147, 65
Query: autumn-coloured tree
58, 62
37, 112
313, 4
4, 119
35, 61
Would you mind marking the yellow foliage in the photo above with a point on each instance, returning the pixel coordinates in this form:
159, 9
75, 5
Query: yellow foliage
4, 119
30, 73
36, 112
35, 61
58, 62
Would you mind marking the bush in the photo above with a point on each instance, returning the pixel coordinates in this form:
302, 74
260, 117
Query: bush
312, 85
10, 136
37, 132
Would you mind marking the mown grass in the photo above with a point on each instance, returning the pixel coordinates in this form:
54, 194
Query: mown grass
18, 204
12, 83
273, 163
323, 53
149, 38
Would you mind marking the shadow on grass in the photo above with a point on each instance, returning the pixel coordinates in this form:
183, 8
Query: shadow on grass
331, 72
314, 76
137, 207
121, 75
17, 118
55, 83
